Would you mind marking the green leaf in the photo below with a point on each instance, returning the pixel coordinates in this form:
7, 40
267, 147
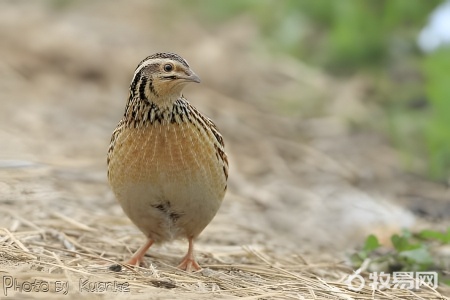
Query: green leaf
398, 242
419, 256
401, 243
371, 243
444, 237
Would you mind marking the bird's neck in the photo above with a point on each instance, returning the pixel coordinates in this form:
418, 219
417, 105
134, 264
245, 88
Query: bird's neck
165, 102
152, 110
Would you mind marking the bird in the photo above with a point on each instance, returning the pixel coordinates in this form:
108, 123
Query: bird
167, 166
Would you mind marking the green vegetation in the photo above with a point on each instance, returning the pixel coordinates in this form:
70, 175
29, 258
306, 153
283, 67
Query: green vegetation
410, 252
375, 38
437, 131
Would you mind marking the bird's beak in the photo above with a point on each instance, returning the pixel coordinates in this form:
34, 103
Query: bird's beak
193, 77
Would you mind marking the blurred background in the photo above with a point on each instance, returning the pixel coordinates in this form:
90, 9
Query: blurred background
335, 114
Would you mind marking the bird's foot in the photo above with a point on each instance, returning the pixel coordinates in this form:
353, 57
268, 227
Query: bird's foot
137, 262
189, 264
138, 257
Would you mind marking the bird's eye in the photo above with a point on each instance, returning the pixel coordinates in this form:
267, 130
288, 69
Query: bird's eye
168, 67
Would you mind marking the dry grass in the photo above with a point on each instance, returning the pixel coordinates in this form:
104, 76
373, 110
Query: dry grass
84, 253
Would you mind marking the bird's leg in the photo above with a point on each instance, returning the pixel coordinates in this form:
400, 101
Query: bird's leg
188, 263
139, 254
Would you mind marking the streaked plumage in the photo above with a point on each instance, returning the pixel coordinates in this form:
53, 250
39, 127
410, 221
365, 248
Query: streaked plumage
166, 161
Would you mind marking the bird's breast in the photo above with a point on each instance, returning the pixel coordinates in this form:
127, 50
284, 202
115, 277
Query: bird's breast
160, 152
168, 173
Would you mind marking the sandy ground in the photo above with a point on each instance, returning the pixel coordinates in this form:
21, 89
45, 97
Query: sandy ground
303, 182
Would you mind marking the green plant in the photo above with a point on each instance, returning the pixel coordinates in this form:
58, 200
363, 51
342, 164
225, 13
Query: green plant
437, 131
443, 237
409, 252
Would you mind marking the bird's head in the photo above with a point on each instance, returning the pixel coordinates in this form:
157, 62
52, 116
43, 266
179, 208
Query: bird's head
161, 77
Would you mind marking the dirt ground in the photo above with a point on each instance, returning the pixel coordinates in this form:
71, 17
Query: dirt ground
305, 186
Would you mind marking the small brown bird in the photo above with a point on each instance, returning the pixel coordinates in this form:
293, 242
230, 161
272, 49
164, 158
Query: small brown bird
166, 161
